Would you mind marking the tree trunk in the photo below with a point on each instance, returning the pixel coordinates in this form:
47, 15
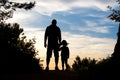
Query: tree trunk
116, 53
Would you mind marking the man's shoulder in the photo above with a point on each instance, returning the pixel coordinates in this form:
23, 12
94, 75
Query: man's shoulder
51, 26
57, 27
48, 27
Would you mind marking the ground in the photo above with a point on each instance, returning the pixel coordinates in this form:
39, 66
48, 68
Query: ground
45, 75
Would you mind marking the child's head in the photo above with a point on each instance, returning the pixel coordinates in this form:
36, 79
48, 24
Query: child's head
64, 43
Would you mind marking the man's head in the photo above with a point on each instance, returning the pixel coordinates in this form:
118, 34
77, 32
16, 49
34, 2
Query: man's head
54, 21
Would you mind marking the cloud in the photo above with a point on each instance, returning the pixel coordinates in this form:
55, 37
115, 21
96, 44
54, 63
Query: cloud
87, 46
68, 4
82, 45
22, 16
91, 26
49, 7
96, 29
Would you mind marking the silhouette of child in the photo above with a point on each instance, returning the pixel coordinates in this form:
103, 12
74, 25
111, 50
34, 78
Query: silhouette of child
64, 54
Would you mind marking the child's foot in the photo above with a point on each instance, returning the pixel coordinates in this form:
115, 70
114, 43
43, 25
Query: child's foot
62, 68
56, 68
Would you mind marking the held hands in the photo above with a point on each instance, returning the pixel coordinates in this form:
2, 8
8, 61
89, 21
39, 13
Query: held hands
59, 44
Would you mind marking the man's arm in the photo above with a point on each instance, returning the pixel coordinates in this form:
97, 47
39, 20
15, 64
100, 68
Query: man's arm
45, 38
59, 37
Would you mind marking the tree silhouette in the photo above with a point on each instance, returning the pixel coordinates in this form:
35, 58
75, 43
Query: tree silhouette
17, 54
77, 64
83, 64
115, 16
7, 8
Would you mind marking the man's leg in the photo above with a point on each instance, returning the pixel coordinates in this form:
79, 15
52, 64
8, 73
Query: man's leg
49, 54
62, 60
56, 61
47, 63
56, 54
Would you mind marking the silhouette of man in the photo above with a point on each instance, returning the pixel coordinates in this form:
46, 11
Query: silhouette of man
53, 38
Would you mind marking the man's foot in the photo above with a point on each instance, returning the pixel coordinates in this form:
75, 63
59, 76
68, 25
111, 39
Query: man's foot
56, 68
66, 69
47, 68
62, 68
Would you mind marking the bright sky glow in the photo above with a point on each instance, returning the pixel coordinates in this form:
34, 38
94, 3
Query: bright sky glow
84, 24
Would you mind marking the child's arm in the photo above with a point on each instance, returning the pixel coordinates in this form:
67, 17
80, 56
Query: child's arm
59, 49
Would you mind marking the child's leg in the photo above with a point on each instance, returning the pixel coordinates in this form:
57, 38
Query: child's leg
62, 59
66, 63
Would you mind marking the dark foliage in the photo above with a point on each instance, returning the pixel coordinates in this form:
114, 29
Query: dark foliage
16, 53
115, 16
7, 8
83, 64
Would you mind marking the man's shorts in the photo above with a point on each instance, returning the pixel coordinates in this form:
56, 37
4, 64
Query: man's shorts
54, 50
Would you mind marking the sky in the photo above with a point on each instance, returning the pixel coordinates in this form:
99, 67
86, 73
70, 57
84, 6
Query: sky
83, 23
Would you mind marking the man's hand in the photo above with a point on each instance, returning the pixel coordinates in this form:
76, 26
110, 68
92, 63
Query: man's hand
45, 45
